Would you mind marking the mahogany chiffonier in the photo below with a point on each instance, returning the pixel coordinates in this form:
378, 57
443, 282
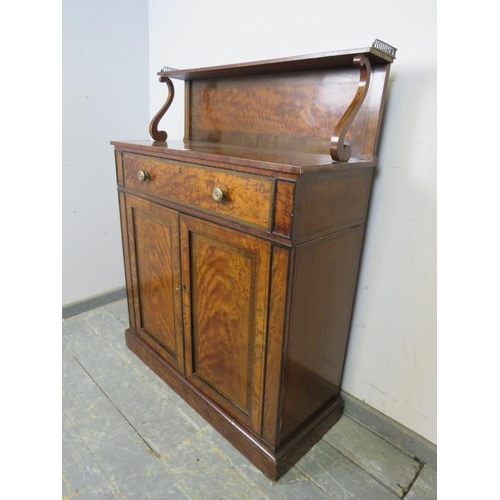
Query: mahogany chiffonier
242, 242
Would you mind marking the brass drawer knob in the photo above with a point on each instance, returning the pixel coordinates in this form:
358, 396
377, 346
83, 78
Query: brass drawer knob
142, 176
218, 194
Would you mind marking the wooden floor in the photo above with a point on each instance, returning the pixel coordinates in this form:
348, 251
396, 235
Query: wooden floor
126, 435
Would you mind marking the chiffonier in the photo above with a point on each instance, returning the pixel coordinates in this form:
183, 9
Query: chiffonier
242, 242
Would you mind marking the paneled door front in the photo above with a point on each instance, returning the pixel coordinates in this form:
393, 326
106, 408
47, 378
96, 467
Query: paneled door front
225, 279
153, 239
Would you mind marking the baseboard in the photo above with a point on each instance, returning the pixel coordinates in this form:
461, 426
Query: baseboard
84, 305
403, 438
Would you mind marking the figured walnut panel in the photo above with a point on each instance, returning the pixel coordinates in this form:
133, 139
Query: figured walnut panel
226, 275
248, 198
296, 111
153, 235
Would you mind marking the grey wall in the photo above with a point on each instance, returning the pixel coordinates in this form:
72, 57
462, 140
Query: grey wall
105, 97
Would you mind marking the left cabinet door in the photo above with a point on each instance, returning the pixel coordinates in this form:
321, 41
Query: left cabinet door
153, 244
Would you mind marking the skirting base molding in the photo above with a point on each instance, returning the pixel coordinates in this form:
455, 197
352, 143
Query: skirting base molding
84, 305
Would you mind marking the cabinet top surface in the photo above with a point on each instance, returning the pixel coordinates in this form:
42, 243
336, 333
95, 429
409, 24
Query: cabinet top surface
290, 162
379, 53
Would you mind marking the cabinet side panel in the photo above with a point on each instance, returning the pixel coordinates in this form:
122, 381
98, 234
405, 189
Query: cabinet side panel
329, 202
277, 305
323, 291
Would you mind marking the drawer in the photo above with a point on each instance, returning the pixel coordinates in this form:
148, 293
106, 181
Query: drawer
247, 198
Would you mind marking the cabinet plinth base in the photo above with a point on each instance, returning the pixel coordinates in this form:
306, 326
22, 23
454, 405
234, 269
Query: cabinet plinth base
273, 463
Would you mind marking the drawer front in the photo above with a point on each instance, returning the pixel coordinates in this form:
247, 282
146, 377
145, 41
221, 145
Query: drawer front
247, 198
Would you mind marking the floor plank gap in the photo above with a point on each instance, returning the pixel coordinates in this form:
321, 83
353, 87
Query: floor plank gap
128, 436
384, 438
113, 487
368, 473
155, 452
311, 478
408, 489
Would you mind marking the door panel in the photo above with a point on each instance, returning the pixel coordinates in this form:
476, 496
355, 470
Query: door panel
154, 254
226, 274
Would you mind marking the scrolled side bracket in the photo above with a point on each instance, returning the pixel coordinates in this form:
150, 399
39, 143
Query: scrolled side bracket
338, 150
161, 135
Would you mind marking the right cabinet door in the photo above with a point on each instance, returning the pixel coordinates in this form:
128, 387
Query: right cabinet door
225, 277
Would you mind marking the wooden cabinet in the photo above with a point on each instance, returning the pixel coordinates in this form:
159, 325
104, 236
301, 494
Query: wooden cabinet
242, 242
153, 240
226, 275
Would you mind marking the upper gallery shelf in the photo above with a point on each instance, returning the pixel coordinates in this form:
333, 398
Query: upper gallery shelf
292, 103
379, 53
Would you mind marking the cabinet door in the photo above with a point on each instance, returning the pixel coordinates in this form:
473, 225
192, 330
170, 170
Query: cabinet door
153, 238
225, 274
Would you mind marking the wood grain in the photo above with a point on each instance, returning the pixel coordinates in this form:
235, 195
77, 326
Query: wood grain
153, 236
283, 208
330, 201
193, 212
226, 276
323, 290
285, 164
311, 62
339, 149
161, 135
244, 306
126, 256
248, 198
272, 463
298, 112
236, 433
277, 307
119, 167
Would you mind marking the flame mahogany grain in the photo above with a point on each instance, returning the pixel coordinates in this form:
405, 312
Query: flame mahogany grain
243, 306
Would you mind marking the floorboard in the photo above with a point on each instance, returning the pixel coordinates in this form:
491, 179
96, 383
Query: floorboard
128, 436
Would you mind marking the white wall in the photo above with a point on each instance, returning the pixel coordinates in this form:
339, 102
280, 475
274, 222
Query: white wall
391, 362
105, 97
